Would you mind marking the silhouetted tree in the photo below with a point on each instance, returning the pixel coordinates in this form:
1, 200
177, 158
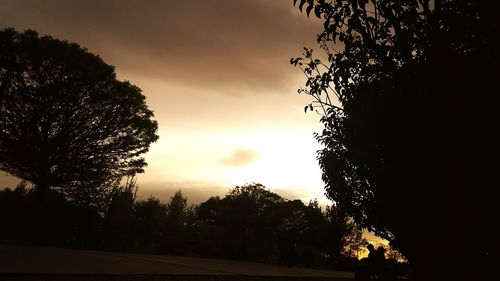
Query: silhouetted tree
211, 210
409, 116
149, 220
245, 220
177, 208
314, 237
94, 193
64, 116
119, 216
250, 223
394, 254
15, 213
354, 241
175, 224
336, 229
290, 231
211, 233
66, 224
250, 216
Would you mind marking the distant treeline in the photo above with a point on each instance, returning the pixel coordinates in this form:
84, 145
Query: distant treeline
248, 223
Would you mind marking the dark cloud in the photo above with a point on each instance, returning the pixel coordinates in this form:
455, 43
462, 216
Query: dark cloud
230, 46
241, 157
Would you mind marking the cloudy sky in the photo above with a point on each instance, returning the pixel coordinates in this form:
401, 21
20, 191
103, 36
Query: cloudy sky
217, 75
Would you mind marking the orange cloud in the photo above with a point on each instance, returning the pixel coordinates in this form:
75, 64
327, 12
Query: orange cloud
241, 157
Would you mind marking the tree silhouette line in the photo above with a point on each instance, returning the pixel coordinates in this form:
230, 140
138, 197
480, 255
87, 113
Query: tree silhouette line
248, 223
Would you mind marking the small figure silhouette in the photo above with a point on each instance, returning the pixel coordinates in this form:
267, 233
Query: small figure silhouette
376, 261
380, 261
380, 255
370, 248
365, 270
373, 261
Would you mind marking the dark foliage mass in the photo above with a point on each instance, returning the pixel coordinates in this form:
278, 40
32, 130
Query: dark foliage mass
65, 119
407, 94
65, 223
249, 223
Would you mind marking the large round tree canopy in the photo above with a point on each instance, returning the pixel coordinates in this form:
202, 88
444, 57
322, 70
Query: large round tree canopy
64, 116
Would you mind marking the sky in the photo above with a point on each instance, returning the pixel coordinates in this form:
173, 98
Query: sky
217, 76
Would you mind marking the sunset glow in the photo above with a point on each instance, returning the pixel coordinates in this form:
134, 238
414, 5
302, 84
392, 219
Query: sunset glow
218, 80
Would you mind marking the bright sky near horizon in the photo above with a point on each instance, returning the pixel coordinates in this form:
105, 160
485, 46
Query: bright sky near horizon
218, 78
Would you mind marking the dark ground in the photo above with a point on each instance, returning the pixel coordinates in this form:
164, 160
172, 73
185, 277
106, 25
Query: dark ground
39, 263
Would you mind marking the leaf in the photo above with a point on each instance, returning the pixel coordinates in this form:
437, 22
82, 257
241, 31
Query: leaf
301, 5
317, 11
308, 10
305, 108
341, 37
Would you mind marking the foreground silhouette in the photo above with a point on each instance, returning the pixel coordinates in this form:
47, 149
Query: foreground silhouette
408, 99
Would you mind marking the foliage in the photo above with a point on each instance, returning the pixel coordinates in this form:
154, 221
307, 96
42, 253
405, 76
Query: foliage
66, 224
149, 219
395, 255
254, 223
177, 209
176, 230
119, 215
99, 193
272, 229
406, 145
244, 217
65, 119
